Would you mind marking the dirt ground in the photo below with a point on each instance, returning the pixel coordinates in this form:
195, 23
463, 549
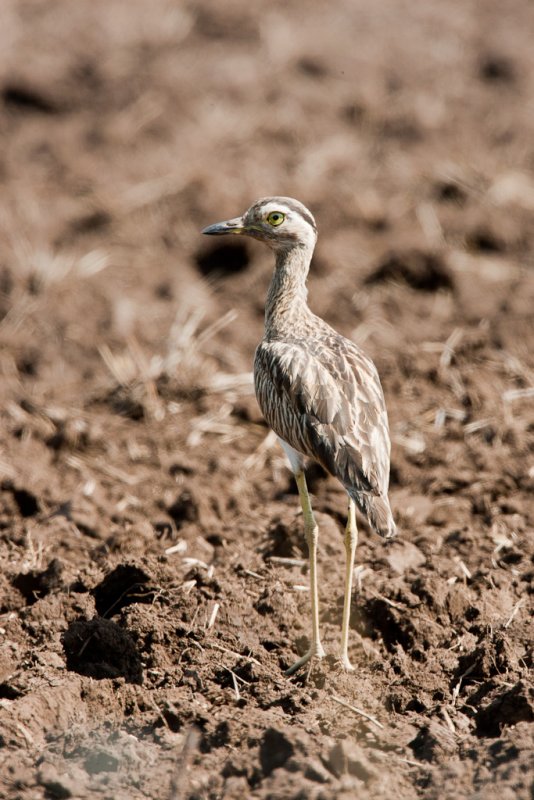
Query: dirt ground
153, 578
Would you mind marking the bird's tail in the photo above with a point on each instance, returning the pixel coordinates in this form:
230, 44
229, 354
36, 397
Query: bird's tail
378, 511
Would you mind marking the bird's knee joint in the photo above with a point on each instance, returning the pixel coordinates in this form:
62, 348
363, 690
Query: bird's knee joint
351, 538
312, 532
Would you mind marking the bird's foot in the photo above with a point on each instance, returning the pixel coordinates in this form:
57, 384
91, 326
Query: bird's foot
345, 663
315, 651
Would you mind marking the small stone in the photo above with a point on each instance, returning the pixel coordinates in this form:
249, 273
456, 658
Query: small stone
440, 516
416, 507
275, 750
184, 508
346, 757
57, 785
314, 771
235, 788
433, 742
337, 760
507, 708
458, 601
404, 556
100, 761
358, 762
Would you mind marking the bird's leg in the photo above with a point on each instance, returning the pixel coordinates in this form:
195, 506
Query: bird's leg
312, 536
351, 540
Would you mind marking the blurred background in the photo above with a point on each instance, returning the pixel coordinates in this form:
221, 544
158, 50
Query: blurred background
128, 126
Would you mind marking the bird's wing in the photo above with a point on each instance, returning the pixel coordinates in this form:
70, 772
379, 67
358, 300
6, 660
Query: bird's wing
326, 401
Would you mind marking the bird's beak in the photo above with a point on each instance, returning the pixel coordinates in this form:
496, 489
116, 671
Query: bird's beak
222, 228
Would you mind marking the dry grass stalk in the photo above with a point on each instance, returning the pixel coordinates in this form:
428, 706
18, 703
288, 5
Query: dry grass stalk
375, 323
128, 501
516, 368
85, 464
184, 360
456, 690
234, 654
147, 193
213, 616
360, 573
514, 612
415, 763
442, 414
222, 383
37, 420
122, 366
132, 370
219, 423
288, 562
414, 443
510, 396
237, 677
448, 720
388, 601
358, 711
179, 547
258, 459
185, 343
253, 574
499, 534
480, 424
34, 555
194, 562
467, 572
46, 267
450, 347
236, 687
430, 224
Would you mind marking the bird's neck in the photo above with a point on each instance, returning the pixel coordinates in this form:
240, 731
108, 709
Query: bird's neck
287, 295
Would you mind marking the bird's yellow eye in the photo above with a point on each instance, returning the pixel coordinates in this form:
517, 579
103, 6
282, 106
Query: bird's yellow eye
276, 218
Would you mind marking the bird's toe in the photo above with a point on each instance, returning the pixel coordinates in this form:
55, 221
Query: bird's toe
346, 664
316, 651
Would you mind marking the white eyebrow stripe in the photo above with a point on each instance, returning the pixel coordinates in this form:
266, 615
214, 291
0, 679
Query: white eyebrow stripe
287, 208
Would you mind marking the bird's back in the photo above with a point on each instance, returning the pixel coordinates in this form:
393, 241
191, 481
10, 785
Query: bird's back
321, 394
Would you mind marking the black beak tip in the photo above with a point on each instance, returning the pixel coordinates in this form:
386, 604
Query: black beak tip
223, 228
212, 230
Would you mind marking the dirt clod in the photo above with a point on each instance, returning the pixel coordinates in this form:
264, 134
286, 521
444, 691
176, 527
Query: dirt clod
509, 707
126, 584
100, 649
223, 259
184, 508
420, 270
275, 750
434, 742
38, 583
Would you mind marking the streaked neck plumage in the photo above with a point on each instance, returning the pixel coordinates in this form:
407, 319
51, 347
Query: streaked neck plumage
286, 308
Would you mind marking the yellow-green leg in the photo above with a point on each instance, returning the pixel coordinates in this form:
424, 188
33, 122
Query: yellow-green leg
351, 540
312, 535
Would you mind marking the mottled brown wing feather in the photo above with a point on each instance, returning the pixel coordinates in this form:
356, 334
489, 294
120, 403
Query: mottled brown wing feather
326, 401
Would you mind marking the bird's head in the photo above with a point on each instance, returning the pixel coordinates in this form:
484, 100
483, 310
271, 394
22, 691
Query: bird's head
280, 222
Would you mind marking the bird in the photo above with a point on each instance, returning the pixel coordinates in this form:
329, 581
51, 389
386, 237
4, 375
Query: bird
319, 392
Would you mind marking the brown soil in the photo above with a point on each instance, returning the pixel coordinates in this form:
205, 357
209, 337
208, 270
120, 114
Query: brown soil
145, 615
